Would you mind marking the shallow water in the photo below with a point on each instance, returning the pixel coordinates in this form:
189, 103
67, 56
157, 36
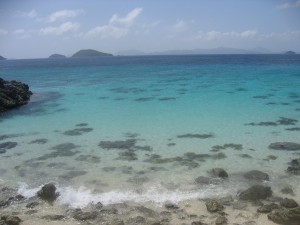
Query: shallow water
123, 128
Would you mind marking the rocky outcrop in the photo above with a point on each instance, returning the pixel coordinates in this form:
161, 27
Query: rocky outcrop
255, 193
285, 216
48, 193
13, 94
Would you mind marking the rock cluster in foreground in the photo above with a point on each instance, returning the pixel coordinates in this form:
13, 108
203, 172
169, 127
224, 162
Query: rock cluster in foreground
13, 94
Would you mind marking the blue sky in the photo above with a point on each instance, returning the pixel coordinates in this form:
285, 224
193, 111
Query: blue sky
39, 28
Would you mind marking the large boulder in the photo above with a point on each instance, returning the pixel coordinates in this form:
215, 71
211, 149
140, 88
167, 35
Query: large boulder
48, 192
255, 193
13, 94
288, 203
285, 216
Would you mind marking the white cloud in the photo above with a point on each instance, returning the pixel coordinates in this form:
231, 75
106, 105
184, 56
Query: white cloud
128, 20
107, 31
179, 26
117, 26
64, 14
22, 34
287, 5
3, 32
31, 14
59, 30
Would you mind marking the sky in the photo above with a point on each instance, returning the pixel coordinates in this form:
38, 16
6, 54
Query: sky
39, 28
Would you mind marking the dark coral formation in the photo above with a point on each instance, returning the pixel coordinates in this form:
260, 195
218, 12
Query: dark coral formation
13, 94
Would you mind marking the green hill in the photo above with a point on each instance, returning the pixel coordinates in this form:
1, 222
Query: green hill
90, 53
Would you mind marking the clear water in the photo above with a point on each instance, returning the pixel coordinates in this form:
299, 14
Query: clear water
150, 102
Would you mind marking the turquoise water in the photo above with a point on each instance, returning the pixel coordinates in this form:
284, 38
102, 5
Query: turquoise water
124, 128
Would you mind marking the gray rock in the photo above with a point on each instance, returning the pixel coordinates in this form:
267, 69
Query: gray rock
256, 192
288, 146
268, 208
256, 175
198, 223
115, 222
289, 203
203, 180
214, 206
11, 220
221, 220
287, 191
285, 216
48, 192
218, 172
170, 205
85, 215
54, 217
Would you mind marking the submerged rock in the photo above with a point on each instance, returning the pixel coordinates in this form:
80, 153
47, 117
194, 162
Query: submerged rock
289, 203
288, 146
85, 215
127, 144
294, 167
285, 216
48, 192
256, 175
268, 208
219, 172
256, 192
13, 94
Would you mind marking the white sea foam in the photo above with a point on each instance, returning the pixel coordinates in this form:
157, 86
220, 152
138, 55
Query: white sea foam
83, 196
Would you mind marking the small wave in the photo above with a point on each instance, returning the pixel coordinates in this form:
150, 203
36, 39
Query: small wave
81, 197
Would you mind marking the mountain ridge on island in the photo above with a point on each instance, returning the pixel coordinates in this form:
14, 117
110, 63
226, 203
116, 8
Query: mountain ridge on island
290, 53
57, 56
2, 58
89, 53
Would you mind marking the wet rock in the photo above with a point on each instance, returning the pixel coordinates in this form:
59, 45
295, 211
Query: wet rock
245, 156
218, 172
287, 191
85, 215
200, 136
228, 200
78, 131
31, 205
198, 223
53, 217
13, 94
48, 193
289, 203
287, 121
221, 220
39, 141
288, 146
127, 144
11, 220
237, 147
268, 208
213, 206
256, 175
7, 145
256, 192
109, 210
203, 180
240, 205
285, 216
170, 205
294, 167
115, 222
139, 220
127, 156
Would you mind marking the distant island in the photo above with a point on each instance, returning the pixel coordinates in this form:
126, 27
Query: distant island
89, 53
2, 58
290, 53
57, 56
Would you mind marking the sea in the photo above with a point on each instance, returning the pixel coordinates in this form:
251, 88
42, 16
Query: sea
144, 128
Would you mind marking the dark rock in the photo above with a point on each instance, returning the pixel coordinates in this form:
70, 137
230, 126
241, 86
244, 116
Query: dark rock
85, 215
109, 211
289, 203
78, 131
287, 190
31, 205
127, 144
288, 146
7, 145
39, 141
268, 208
170, 205
48, 192
214, 206
53, 217
115, 222
203, 180
198, 223
294, 167
13, 94
11, 220
221, 220
256, 192
136, 220
256, 175
228, 200
218, 172
200, 136
285, 216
